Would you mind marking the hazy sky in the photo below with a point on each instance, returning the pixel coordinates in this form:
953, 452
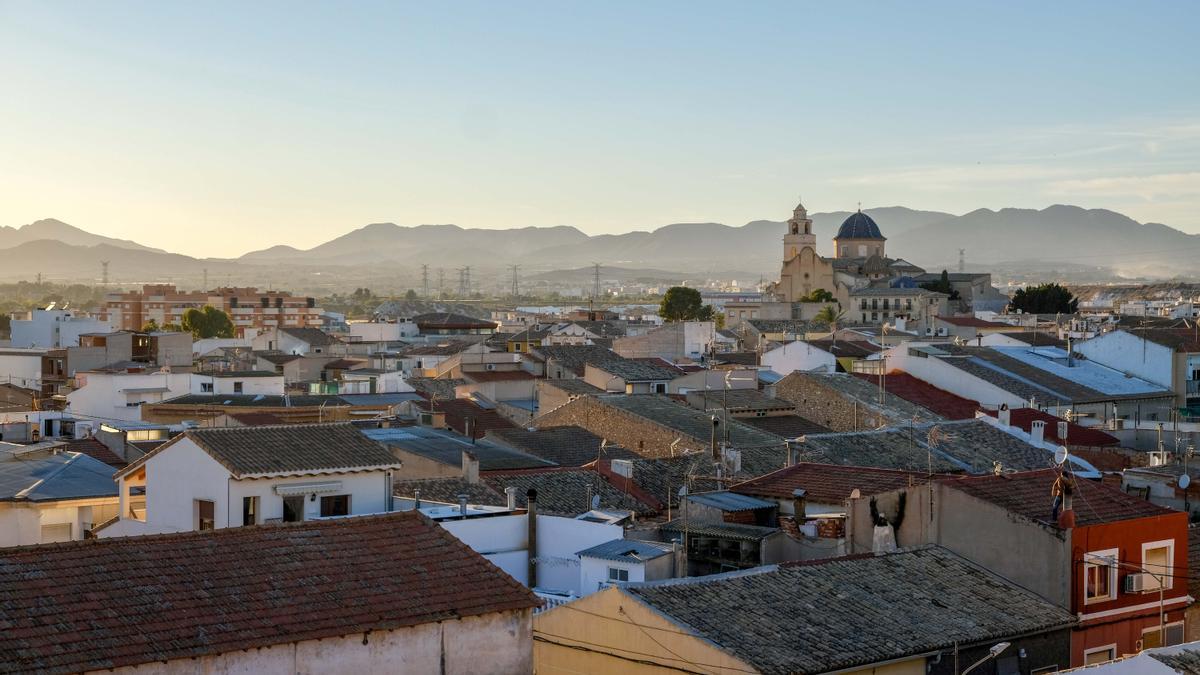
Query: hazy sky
215, 128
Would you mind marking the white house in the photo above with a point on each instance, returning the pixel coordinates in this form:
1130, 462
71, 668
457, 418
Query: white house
381, 331
250, 382
228, 477
47, 495
50, 328
799, 355
627, 560
298, 341
117, 395
22, 367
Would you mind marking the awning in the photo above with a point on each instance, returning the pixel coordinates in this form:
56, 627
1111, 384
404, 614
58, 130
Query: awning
307, 488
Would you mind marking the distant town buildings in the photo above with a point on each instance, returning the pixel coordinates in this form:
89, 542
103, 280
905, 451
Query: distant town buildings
249, 308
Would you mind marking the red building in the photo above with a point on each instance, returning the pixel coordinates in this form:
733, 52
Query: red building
1105, 567
249, 308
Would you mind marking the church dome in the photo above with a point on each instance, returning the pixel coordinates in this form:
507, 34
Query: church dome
859, 226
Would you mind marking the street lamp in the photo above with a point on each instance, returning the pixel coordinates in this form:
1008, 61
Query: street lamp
995, 651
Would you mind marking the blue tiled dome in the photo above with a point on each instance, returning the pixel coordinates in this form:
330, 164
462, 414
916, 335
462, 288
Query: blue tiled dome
859, 226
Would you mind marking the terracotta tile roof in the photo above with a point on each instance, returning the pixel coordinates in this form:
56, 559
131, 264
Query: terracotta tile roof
1178, 339
96, 450
459, 410
1076, 435
565, 446
828, 483
447, 490
101, 604
1028, 494
914, 390
564, 491
292, 448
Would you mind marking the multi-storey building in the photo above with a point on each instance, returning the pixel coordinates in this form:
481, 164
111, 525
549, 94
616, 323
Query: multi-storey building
249, 307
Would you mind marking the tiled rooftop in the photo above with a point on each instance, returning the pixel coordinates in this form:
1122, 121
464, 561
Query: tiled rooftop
564, 492
627, 550
565, 446
313, 336
785, 426
1023, 419
828, 483
843, 613
447, 490
1028, 494
917, 391
447, 448
101, 604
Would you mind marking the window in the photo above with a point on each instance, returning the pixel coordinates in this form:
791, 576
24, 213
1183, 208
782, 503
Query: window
1156, 559
205, 515
237, 387
618, 574
335, 505
1100, 578
293, 509
1099, 655
206, 387
1152, 638
660, 387
249, 510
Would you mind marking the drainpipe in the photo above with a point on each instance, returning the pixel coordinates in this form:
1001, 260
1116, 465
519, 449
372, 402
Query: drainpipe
531, 522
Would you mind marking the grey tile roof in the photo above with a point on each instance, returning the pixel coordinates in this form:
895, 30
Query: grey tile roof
852, 612
730, 501
636, 371
257, 400
738, 400
575, 386
565, 446
689, 421
865, 393
447, 490
627, 550
290, 448
46, 478
575, 357
971, 446
313, 336
447, 448
785, 426
564, 492
443, 388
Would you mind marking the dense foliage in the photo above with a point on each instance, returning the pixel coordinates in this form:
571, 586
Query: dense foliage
209, 322
942, 285
684, 304
1048, 298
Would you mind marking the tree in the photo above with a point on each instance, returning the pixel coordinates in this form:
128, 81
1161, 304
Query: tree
209, 322
942, 285
818, 295
829, 316
150, 326
1047, 298
410, 295
684, 304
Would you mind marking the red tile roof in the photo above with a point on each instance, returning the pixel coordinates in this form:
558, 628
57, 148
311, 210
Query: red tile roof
100, 604
1028, 494
1023, 418
459, 410
828, 483
920, 392
96, 450
972, 322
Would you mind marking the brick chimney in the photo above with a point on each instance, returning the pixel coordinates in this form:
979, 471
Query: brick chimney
799, 502
470, 467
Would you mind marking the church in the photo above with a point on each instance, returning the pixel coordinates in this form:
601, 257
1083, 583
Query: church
859, 261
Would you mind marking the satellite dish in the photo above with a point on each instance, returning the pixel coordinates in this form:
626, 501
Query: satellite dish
595, 502
1184, 481
1060, 455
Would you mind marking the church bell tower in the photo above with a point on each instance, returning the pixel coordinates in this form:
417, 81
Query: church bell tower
799, 234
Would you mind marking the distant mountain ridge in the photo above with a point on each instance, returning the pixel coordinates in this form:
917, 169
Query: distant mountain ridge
930, 239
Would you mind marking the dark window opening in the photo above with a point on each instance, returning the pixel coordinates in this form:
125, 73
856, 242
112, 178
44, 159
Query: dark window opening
335, 505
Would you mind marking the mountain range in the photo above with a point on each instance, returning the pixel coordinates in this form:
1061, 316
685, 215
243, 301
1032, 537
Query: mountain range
1054, 235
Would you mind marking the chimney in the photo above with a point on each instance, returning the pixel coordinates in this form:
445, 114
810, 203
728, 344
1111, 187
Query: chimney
531, 523
622, 467
416, 500
1038, 431
510, 495
799, 502
1005, 416
716, 454
462, 505
470, 467
1063, 427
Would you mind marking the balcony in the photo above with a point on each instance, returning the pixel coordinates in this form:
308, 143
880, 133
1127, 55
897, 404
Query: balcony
1193, 387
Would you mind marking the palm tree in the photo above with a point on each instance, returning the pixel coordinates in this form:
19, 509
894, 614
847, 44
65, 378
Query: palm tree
830, 315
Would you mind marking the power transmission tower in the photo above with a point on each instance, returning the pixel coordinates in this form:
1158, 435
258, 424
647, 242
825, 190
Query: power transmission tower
104, 272
441, 283
516, 284
425, 281
962, 260
205, 287
595, 281
467, 281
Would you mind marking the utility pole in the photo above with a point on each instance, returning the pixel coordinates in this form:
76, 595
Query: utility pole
103, 273
516, 283
425, 281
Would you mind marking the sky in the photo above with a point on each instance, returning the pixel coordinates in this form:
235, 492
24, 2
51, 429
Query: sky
218, 128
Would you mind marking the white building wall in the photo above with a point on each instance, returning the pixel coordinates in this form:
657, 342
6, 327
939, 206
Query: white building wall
594, 573
266, 386
1130, 354
54, 328
383, 332
697, 337
949, 378
799, 355
22, 367
499, 644
113, 396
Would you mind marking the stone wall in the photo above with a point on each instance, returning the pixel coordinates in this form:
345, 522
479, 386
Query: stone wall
638, 434
817, 401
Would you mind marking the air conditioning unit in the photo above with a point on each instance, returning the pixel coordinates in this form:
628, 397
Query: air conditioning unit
1136, 583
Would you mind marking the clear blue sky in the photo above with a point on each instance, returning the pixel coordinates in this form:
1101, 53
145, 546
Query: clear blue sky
216, 128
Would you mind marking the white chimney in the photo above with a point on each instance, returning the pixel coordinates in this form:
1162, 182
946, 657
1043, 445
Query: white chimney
470, 467
1005, 416
1038, 431
510, 493
623, 467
